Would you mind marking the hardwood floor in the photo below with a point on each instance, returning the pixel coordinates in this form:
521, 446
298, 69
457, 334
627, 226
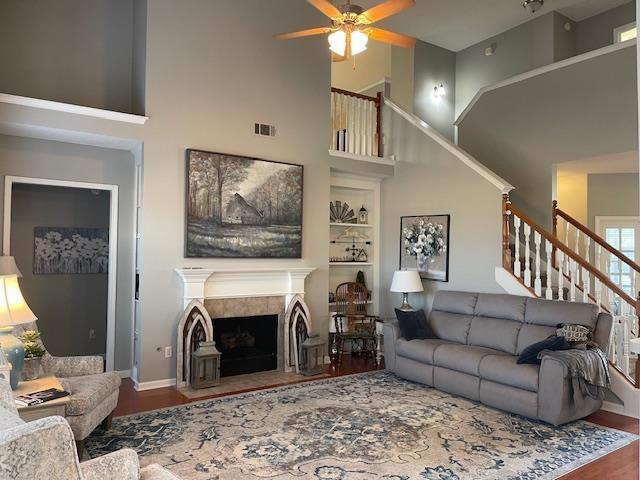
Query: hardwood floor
623, 464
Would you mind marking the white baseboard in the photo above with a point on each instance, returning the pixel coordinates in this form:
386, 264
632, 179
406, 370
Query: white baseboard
141, 386
124, 373
619, 409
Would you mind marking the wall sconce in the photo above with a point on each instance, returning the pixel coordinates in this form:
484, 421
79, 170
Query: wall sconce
439, 91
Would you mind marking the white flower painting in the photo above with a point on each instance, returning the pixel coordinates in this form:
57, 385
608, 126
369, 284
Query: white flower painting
64, 250
424, 246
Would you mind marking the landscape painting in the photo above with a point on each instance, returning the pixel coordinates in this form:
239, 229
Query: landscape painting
69, 250
240, 207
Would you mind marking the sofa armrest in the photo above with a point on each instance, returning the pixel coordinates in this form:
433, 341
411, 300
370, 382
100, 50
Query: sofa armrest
559, 401
44, 448
391, 333
120, 465
73, 366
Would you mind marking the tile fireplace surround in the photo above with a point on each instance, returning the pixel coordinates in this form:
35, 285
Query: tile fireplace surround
229, 293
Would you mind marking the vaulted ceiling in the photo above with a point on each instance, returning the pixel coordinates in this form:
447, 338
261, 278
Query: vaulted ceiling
457, 24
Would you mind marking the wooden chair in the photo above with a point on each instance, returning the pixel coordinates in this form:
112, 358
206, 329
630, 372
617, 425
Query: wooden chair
352, 321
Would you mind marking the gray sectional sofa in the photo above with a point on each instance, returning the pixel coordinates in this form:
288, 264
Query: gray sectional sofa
479, 337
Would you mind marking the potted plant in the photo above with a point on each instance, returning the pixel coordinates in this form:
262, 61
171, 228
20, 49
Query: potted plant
33, 352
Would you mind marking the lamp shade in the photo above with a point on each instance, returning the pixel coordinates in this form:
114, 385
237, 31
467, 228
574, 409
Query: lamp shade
13, 309
406, 281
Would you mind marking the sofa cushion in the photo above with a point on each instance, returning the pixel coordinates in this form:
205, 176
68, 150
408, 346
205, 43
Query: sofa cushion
553, 312
508, 307
504, 369
450, 326
413, 324
455, 302
530, 354
530, 334
419, 350
494, 333
89, 391
462, 358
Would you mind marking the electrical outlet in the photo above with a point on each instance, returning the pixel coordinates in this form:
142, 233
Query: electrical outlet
167, 352
92, 334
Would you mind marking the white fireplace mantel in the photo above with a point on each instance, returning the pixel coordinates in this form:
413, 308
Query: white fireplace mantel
210, 283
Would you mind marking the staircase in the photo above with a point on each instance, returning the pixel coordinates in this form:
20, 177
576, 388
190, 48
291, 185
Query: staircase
548, 267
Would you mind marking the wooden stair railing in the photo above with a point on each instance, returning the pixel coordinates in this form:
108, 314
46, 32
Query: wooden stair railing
356, 123
589, 238
585, 283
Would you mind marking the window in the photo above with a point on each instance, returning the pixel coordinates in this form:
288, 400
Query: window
625, 32
623, 234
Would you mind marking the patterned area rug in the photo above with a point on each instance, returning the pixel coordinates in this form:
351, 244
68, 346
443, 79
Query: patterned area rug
368, 426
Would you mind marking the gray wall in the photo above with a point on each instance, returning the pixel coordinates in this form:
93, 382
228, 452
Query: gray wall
434, 65
597, 31
139, 57
64, 304
518, 50
54, 160
522, 130
428, 181
612, 194
67, 50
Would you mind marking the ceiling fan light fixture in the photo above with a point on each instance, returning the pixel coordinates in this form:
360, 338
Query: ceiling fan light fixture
358, 42
338, 42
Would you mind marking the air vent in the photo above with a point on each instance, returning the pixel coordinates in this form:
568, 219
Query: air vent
264, 130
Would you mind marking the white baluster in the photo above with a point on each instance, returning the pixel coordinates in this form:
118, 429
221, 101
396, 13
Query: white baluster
549, 249
537, 284
527, 255
332, 122
566, 242
363, 126
577, 245
573, 269
598, 293
560, 275
625, 344
598, 252
351, 137
587, 248
517, 267
586, 285
368, 150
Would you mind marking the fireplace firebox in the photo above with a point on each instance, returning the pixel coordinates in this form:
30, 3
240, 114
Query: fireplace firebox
247, 344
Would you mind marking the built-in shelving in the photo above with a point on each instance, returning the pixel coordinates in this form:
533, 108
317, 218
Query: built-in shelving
357, 191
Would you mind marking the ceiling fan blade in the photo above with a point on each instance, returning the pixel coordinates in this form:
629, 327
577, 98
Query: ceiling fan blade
386, 9
396, 39
303, 33
326, 7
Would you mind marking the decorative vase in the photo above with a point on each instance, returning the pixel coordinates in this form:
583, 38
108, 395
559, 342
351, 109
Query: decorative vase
14, 352
422, 262
31, 369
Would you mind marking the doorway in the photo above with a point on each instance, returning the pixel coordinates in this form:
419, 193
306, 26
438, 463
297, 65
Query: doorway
64, 237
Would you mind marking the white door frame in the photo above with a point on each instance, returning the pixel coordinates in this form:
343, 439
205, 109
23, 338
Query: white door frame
9, 181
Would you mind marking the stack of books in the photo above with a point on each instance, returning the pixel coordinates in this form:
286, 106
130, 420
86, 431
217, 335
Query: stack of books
36, 398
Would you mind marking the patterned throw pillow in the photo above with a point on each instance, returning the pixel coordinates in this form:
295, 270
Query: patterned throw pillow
574, 333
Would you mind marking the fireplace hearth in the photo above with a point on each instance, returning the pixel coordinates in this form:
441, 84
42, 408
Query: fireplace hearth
247, 344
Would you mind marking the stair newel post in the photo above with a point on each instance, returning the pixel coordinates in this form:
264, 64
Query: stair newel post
527, 255
554, 224
506, 250
550, 252
537, 284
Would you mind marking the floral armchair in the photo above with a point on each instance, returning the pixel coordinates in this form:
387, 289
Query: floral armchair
45, 449
94, 392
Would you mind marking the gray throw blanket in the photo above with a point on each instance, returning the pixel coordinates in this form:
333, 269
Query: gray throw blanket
588, 369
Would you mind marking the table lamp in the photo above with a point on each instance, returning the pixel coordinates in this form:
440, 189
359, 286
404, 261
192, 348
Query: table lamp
406, 282
13, 311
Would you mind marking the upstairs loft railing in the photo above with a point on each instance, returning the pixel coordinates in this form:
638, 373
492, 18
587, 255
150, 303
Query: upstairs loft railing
356, 121
567, 276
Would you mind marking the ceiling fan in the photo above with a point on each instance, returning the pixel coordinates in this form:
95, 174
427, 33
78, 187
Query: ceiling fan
352, 27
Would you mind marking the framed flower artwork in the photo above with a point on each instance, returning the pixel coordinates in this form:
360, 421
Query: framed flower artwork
424, 245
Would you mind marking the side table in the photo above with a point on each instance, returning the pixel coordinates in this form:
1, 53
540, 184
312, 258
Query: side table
47, 409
